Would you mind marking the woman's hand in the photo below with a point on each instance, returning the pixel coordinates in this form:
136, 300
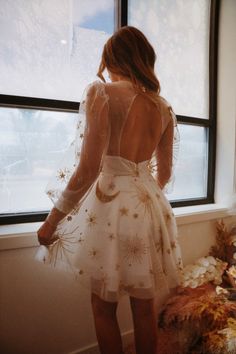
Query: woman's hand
45, 234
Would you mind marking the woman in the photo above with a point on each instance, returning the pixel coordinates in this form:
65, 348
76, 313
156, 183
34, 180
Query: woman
112, 223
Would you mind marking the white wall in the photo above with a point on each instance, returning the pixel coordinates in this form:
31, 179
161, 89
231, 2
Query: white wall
43, 311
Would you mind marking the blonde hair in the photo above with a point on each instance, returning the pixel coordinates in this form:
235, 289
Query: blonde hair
128, 53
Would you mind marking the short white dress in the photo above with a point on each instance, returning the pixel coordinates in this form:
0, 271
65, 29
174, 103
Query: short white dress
119, 234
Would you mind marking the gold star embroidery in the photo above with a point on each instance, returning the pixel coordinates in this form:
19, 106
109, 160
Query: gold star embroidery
51, 193
111, 186
94, 253
61, 175
111, 237
134, 249
159, 246
108, 224
104, 279
135, 216
91, 220
69, 218
117, 267
81, 272
80, 240
124, 211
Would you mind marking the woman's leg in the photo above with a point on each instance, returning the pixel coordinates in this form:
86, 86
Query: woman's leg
145, 325
106, 325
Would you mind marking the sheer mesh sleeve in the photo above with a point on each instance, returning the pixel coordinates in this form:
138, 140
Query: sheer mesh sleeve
81, 164
165, 157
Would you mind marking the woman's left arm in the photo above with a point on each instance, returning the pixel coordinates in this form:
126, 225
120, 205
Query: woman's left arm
95, 140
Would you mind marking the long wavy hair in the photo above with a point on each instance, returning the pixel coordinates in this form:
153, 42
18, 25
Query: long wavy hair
128, 53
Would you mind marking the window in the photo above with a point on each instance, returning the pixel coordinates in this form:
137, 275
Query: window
182, 34
45, 65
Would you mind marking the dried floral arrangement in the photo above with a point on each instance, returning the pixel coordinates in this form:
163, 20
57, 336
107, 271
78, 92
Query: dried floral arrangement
225, 247
200, 318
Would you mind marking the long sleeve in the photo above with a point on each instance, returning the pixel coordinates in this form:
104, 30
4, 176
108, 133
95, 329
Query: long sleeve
167, 151
86, 152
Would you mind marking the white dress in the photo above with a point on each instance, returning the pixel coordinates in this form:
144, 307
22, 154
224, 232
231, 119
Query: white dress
119, 235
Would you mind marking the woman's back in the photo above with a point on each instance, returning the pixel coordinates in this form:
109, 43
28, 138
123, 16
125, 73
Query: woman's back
131, 124
136, 122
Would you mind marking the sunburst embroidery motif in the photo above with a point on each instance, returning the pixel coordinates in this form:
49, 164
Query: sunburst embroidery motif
134, 249
144, 198
61, 248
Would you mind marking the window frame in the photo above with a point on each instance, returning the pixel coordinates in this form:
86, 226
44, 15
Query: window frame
121, 19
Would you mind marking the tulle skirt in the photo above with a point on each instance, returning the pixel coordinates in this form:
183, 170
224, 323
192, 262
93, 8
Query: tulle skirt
123, 238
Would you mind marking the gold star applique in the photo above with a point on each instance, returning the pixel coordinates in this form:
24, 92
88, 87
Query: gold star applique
124, 211
117, 267
94, 253
159, 246
51, 193
111, 186
91, 220
104, 279
151, 166
134, 249
111, 237
79, 124
135, 216
62, 174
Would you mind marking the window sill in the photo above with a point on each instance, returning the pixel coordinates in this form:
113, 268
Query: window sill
24, 235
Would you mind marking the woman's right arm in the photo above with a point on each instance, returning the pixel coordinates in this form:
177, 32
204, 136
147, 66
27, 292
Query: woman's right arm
164, 155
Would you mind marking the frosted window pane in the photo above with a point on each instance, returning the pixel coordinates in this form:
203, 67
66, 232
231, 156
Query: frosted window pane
192, 164
31, 144
51, 48
179, 32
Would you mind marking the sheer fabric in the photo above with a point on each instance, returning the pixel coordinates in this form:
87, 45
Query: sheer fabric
119, 232
115, 120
